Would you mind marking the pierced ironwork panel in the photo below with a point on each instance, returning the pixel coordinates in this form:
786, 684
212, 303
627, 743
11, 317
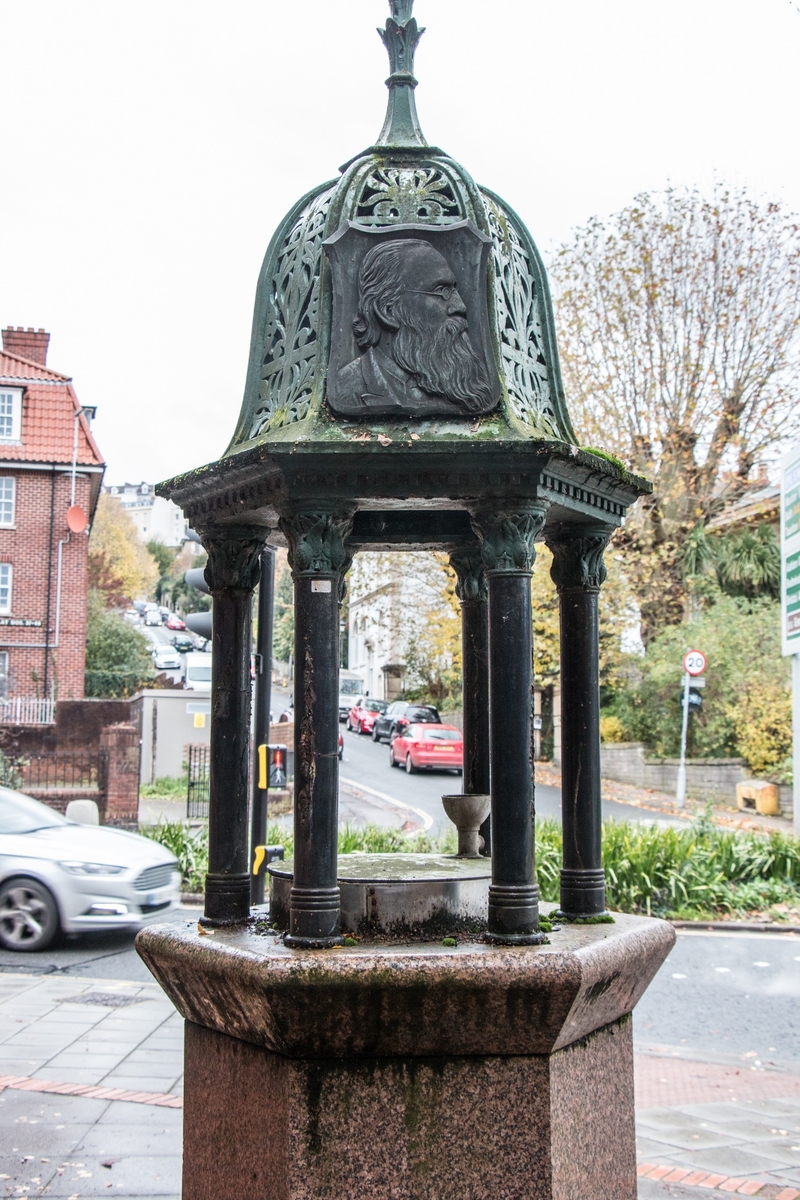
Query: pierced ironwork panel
519, 316
290, 337
408, 196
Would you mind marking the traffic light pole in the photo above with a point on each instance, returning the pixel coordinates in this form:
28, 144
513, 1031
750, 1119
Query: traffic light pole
258, 807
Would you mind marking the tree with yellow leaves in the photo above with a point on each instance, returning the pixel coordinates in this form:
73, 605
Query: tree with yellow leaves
120, 566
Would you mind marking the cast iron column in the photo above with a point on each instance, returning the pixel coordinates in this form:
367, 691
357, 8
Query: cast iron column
319, 560
578, 573
258, 803
231, 574
471, 591
507, 548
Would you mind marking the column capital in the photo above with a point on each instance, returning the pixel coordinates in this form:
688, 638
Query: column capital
470, 575
508, 536
316, 542
578, 557
233, 556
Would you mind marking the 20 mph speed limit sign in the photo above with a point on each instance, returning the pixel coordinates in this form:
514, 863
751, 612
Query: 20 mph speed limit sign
694, 662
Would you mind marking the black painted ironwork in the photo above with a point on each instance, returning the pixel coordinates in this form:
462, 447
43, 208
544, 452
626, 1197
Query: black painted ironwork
231, 573
198, 760
319, 559
462, 430
507, 548
578, 572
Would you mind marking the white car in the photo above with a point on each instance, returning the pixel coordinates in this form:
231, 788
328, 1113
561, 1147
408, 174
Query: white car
166, 658
56, 875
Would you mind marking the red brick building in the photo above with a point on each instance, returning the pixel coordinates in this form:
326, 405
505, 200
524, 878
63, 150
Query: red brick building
49, 463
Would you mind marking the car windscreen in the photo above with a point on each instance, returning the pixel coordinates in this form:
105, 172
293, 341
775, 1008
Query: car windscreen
199, 674
350, 687
21, 814
423, 714
426, 734
376, 706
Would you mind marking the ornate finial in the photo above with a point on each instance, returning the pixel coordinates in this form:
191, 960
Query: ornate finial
401, 38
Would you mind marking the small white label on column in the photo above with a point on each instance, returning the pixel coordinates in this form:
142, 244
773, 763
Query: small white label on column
320, 585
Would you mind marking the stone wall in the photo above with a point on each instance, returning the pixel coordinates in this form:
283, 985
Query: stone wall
706, 778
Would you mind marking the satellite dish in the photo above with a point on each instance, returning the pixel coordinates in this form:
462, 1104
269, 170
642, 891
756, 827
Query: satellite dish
76, 519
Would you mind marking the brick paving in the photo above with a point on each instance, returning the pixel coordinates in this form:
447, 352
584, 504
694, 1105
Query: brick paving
90, 1103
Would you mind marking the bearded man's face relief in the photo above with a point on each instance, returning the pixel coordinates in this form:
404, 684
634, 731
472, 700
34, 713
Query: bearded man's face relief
417, 358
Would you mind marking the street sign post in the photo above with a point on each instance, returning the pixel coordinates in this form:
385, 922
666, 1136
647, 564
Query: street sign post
694, 664
790, 599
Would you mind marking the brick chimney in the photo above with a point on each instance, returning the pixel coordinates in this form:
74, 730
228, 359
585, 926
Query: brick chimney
27, 343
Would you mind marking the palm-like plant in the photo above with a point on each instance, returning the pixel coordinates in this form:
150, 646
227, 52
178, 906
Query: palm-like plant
748, 562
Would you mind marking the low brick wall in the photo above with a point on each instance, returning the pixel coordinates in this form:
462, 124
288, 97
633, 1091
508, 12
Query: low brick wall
706, 778
59, 798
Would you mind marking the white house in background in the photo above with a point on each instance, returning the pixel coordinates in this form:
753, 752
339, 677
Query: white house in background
156, 519
391, 595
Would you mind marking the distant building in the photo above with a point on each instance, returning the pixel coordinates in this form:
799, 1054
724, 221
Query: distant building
156, 519
49, 464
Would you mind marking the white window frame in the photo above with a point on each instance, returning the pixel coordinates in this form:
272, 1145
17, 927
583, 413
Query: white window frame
14, 396
6, 583
5, 499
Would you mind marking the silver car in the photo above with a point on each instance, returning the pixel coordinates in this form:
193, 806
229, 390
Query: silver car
56, 875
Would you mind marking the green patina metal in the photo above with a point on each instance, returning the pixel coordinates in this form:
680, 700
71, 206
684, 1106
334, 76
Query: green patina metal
285, 421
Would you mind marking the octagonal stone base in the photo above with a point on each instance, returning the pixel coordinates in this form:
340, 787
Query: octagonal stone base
408, 1072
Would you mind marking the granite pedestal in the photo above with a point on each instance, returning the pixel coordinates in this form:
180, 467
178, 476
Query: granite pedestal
408, 1072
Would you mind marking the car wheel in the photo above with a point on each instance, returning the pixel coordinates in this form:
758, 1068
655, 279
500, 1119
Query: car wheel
392, 759
375, 737
28, 915
410, 768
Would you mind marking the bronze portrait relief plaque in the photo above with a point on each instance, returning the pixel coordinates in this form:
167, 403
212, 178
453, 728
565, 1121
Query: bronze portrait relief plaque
410, 330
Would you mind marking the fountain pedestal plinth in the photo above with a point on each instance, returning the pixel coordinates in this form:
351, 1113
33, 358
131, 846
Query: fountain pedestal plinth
416, 1070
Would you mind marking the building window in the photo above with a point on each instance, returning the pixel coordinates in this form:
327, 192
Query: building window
7, 499
10, 408
3, 674
5, 587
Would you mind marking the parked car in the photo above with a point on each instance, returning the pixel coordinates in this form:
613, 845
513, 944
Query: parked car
399, 715
362, 715
182, 643
166, 658
131, 615
341, 748
165, 613
56, 875
427, 747
140, 606
175, 622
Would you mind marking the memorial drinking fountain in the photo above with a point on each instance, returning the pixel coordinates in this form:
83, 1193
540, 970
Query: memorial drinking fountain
403, 392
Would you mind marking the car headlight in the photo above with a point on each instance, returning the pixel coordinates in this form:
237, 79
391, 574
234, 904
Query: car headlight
89, 868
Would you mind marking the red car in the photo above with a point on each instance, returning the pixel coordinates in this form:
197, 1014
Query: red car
174, 622
362, 715
428, 747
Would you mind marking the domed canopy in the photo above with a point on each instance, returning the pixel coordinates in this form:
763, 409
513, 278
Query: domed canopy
400, 181
403, 352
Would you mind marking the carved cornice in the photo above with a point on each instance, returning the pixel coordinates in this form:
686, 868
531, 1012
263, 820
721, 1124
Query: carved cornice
233, 557
578, 558
508, 537
470, 575
316, 543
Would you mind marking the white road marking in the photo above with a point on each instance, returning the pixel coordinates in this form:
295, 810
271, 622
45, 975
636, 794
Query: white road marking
426, 818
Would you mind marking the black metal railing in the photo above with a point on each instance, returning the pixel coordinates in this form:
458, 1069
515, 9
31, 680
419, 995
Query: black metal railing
78, 770
198, 781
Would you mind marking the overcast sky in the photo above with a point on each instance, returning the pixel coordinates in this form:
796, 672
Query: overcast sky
150, 148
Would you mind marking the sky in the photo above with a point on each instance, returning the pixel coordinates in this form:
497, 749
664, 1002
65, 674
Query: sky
151, 147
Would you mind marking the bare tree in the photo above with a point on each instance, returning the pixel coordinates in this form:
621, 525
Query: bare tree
678, 324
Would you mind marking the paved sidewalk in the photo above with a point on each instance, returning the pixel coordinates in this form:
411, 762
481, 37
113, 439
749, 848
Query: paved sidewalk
102, 1040
90, 1096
